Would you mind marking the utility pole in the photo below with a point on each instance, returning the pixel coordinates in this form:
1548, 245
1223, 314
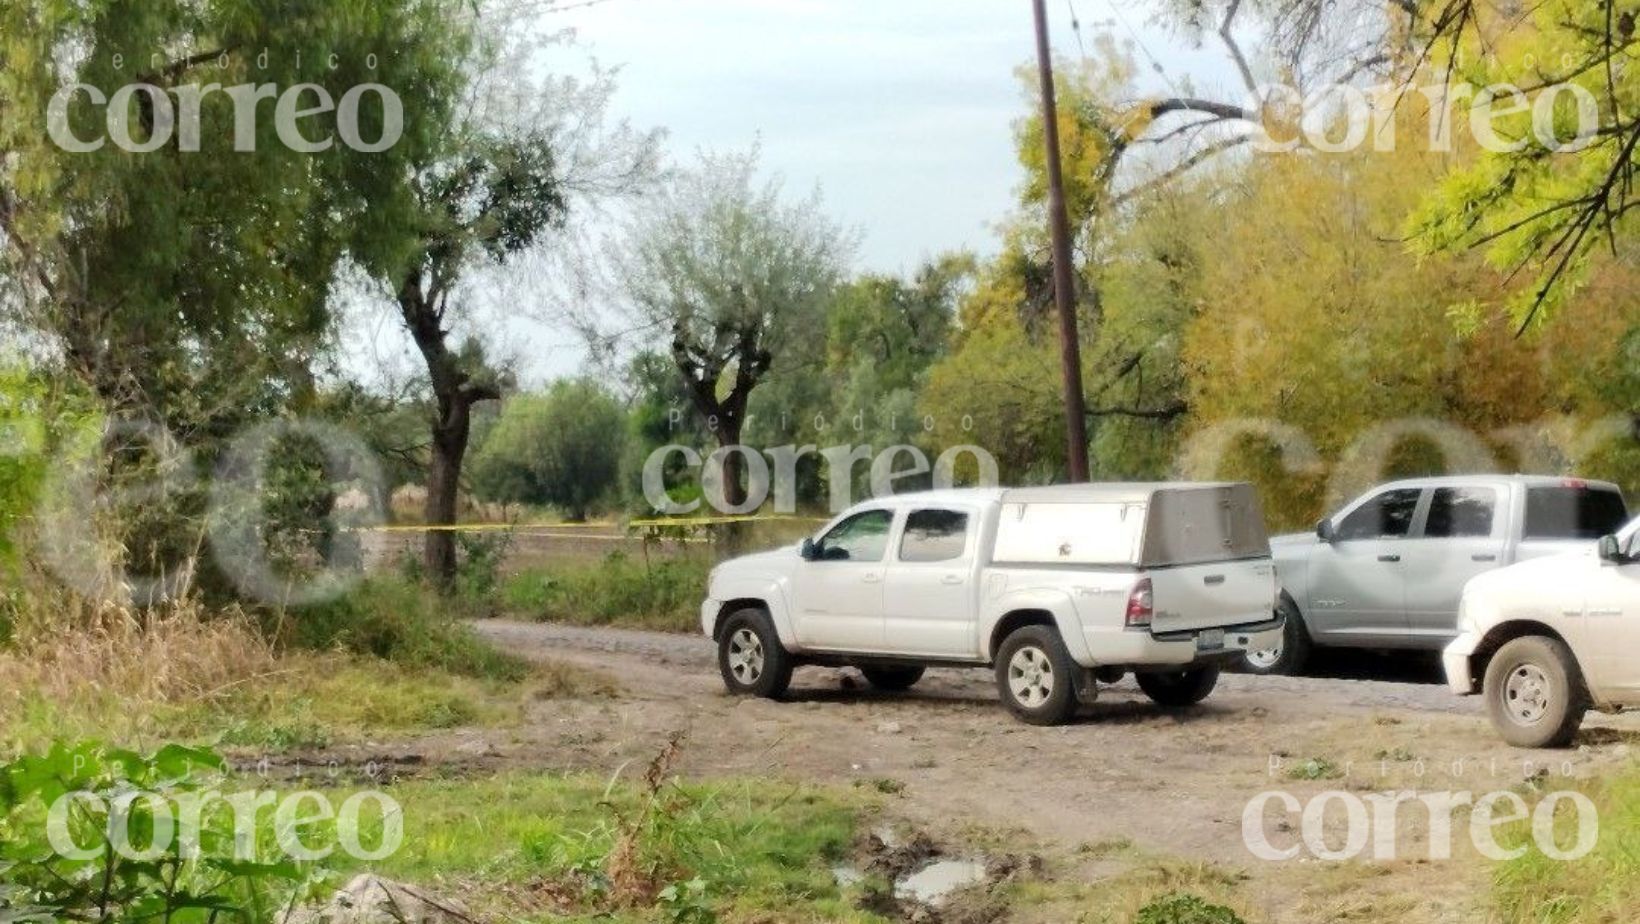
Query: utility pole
1064, 285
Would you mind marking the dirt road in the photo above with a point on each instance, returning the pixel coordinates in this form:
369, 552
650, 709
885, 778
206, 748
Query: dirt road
1171, 784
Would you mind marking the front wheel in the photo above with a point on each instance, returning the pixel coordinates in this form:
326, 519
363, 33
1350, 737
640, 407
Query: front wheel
1177, 689
1534, 693
1290, 652
750, 656
1036, 676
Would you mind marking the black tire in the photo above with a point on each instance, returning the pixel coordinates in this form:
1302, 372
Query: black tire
1178, 689
1045, 676
896, 679
750, 656
1534, 693
1295, 646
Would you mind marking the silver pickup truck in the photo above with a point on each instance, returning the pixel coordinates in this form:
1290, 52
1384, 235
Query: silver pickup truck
1387, 571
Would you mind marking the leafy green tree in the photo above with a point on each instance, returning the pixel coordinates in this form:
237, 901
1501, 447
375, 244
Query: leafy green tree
735, 279
1538, 203
661, 415
488, 195
898, 327
562, 448
1311, 318
192, 289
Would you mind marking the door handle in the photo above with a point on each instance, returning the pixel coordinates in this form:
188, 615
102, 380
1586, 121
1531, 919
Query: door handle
1482, 556
1213, 579
1605, 612
873, 578
1389, 558
951, 579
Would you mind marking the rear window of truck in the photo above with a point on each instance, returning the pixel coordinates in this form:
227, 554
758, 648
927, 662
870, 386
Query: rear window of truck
1573, 513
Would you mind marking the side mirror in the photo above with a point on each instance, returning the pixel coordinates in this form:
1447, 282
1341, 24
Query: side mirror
1611, 551
1324, 531
807, 550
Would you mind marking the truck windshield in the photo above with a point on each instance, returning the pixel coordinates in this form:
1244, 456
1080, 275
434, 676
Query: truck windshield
1573, 513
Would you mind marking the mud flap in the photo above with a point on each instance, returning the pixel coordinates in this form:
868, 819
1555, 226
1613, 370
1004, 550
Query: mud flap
1087, 686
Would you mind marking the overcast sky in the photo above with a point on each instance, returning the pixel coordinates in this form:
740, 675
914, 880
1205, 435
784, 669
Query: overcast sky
901, 111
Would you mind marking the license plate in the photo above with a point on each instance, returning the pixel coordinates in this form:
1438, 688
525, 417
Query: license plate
1210, 640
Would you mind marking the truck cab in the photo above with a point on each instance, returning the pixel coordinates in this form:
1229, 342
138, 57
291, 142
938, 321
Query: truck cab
1167, 581
1387, 570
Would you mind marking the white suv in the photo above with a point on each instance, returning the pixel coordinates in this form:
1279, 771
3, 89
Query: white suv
1056, 587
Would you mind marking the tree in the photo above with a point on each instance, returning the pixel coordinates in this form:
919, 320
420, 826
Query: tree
487, 198
562, 448
1539, 203
193, 285
494, 195
897, 327
190, 290
734, 279
1310, 317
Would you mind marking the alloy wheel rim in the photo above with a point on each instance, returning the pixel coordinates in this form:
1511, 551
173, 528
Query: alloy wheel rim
1526, 694
746, 656
1030, 676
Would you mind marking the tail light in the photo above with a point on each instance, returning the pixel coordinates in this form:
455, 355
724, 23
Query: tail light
1140, 606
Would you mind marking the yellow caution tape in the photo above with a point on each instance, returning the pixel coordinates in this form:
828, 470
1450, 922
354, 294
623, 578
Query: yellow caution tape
664, 522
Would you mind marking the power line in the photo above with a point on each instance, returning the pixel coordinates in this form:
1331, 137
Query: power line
1155, 62
1076, 27
580, 4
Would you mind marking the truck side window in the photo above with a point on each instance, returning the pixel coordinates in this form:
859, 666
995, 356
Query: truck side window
1461, 512
862, 537
1387, 516
934, 535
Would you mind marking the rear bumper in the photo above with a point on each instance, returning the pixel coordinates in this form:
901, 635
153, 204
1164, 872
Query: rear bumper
1130, 648
1456, 658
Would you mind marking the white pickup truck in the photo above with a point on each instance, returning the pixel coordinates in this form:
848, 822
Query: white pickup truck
1549, 639
1057, 588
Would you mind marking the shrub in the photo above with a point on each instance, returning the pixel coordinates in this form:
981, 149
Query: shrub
1180, 908
478, 571
561, 448
399, 621
664, 594
37, 883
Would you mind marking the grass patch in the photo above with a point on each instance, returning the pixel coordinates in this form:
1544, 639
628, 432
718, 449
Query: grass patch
391, 664
400, 621
1154, 890
307, 702
1315, 768
564, 847
664, 595
1600, 888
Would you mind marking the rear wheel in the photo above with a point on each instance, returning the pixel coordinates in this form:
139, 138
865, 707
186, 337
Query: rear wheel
750, 656
1036, 676
1177, 689
892, 678
1290, 653
1534, 693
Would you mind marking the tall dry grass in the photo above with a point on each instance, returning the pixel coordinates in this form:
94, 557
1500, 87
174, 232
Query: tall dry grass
66, 649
